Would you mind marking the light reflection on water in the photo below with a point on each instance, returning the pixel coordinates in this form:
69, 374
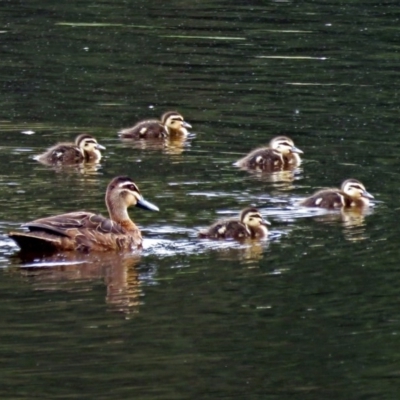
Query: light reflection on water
321, 287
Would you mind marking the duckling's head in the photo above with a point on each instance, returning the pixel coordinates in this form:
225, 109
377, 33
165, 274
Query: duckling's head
174, 122
88, 144
355, 189
122, 192
284, 145
252, 218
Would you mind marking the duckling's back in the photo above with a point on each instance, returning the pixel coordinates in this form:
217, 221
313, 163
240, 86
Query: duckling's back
226, 229
262, 158
62, 153
150, 129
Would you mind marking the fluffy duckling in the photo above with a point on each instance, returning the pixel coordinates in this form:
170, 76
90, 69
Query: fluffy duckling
250, 225
172, 123
85, 149
280, 153
352, 193
84, 231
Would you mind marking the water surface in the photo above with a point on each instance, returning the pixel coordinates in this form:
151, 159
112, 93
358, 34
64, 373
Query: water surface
310, 313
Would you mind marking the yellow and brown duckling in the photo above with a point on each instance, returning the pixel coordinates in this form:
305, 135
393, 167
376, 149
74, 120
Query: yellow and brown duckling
84, 231
85, 149
352, 193
280, 153
250, 224
171, 124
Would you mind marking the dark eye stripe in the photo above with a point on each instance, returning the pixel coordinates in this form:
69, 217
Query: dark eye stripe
255, 216
129, 186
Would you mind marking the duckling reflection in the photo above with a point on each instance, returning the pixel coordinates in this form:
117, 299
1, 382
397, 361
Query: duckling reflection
173, 145
352, 221
76, 169
280, 179
281, 153
249, 253
65, 271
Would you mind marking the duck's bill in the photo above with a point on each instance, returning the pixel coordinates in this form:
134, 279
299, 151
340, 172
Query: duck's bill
296, 150
186, 125
265, 222
100, 147
367, 195
146, 205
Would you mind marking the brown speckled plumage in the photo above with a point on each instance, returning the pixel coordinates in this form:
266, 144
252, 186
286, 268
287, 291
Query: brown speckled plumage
85, 231
171, 123
352, 193
281, 153
250, 225
85, 149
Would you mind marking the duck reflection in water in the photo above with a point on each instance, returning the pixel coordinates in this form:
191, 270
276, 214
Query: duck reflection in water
352, 221
171, 145
73, 272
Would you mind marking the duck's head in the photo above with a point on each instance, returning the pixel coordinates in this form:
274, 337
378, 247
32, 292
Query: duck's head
252, 218
284, 145
88, 144
355, 189
123, 192
174, 122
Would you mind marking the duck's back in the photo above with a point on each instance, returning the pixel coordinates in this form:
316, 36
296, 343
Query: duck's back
76, 231
150, 129
62, 153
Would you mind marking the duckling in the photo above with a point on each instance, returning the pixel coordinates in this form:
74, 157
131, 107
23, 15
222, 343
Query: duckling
172, 123
250, 225
84, 231
280, 153
85, 149
352, 193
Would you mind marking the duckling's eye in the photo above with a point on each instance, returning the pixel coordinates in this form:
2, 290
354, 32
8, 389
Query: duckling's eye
133, 188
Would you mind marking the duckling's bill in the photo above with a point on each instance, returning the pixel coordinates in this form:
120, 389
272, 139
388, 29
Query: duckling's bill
367, 195
296, 150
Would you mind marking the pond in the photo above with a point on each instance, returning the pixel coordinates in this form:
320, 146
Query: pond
309, 313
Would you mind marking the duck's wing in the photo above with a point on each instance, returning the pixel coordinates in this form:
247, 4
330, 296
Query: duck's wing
68, 224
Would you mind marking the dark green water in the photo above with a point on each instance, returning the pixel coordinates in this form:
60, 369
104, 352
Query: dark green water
310, 314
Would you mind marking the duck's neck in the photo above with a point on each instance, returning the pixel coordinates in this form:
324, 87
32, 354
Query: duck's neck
119, 214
